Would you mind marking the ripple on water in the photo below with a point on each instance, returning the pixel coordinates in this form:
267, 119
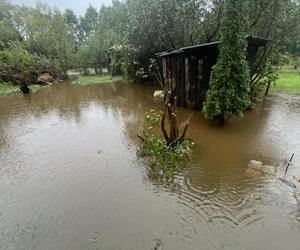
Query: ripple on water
83, 172
227, 205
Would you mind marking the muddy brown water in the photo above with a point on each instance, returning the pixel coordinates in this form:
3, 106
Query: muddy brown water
70, 177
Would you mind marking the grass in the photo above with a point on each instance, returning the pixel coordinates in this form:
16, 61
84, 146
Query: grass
85, 80
288, 82
9, 89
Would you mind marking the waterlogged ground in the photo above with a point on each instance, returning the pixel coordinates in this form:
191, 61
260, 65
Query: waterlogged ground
70, 177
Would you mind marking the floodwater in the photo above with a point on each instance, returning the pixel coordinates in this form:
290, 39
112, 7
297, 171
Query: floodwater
70, 177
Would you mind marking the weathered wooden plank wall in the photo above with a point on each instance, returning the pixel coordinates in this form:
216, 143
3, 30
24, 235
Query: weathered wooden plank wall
185, 73
188, 70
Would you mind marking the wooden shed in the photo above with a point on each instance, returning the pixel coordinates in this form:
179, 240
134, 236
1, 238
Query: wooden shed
188, 69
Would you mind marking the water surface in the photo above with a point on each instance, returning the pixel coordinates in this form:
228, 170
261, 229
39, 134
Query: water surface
70, 177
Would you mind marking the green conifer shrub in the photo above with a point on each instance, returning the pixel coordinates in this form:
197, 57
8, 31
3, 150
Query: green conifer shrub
229, 81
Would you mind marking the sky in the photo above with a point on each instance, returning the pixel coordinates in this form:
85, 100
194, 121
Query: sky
78, 6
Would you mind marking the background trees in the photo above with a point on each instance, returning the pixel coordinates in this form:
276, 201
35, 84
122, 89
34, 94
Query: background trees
142, 28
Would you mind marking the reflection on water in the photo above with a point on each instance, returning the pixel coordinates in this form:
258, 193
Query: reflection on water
70, 177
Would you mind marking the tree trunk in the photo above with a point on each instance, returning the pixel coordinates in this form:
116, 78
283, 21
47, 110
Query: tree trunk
85, 71
24, 88
268, 89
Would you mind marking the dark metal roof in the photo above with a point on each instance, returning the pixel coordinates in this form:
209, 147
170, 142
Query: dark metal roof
213, 44
251, 40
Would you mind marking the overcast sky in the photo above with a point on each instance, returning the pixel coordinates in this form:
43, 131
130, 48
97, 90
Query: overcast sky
78, 6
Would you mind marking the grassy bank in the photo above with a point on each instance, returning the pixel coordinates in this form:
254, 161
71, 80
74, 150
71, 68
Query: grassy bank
8, 88
85, 80
288, 82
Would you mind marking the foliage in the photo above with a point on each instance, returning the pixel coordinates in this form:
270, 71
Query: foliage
7, 88
120, 60
87, 80
229, 83
153, 118
288, 82
277, 21
47, 33
126, 34
269, 76
8, 34
18, 65
8, 31
166, 155
172, 126
88, 23
166, 161
151, 73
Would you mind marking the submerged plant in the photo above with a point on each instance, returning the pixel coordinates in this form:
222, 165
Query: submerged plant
166, 160
167, 155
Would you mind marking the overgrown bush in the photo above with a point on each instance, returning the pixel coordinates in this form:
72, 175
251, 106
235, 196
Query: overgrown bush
261, 86
166, 161
18, 65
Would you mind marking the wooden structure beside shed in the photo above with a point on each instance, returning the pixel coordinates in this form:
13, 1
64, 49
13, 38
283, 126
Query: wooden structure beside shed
188, 69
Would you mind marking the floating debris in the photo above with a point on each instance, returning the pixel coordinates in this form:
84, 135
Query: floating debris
297, 196
287, 182
158, 95
268, 169
297, 178
158, 245
253, 172
255, 166
94, 237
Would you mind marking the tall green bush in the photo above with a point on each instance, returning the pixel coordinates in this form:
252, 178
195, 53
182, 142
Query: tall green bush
229, 83
18, 65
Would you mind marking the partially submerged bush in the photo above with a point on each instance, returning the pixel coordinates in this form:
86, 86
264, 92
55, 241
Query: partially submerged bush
166, 160
18, 65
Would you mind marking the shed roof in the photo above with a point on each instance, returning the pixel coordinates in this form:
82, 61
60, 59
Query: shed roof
251, 40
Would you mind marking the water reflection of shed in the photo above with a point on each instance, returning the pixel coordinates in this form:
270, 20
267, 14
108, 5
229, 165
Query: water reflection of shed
189, 68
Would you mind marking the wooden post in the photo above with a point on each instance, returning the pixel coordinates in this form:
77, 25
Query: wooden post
200, 89
187, 81
164, 67
173, 70
268, 88
200, 69
193, 81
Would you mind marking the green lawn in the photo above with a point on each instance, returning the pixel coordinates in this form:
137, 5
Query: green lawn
8, 88
288, 82
85, 80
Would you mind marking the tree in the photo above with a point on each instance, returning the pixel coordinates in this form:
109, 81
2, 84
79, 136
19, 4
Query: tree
7, 29
71, 18
144, 27
73, 24
19, 66
62, 42
88, 23
278, 21
229, 83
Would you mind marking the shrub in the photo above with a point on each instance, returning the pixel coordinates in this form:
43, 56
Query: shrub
18, 65
230, 77
166, 161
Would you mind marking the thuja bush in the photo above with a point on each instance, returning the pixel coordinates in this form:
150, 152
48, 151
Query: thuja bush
230, 81
166, 160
